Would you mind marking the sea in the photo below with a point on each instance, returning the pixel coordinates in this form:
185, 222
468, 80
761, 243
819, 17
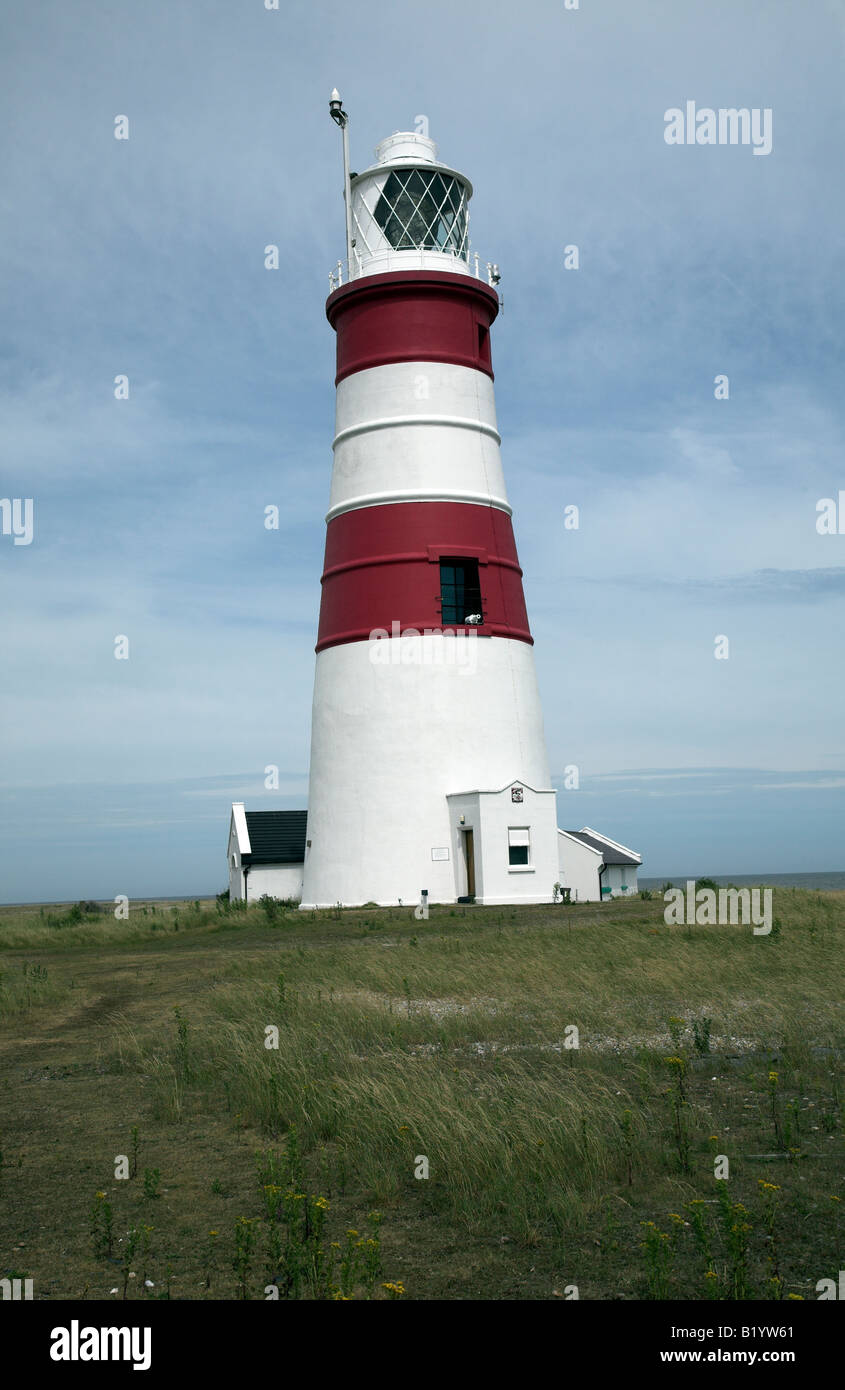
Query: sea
819, 883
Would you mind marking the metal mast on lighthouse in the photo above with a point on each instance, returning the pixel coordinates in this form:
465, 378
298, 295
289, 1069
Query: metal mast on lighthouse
429, 776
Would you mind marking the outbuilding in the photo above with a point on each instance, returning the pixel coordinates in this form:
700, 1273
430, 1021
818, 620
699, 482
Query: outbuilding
266, 853
594, 867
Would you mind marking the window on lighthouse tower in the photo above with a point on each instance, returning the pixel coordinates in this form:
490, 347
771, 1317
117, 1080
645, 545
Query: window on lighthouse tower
460, 592
423, 211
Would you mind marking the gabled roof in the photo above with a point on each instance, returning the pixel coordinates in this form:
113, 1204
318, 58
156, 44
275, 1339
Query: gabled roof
237, 828
275, 837
611, 852
576, 836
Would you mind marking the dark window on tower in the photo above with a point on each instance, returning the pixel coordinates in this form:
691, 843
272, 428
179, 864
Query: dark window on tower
460, 592
484, 344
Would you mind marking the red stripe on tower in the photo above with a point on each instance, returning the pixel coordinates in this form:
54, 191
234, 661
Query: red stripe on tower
412, 316
383, 567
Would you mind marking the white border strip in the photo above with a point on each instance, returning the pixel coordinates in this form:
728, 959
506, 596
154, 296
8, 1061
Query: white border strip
398, 421
384, 499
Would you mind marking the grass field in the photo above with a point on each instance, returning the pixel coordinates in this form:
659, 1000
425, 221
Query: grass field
550, 1166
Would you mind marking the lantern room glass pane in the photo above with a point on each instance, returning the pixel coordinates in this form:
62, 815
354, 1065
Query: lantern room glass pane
423, 210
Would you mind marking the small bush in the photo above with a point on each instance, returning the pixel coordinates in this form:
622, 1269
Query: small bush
276, 907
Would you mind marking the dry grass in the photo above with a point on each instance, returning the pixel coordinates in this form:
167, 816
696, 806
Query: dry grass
448, 1039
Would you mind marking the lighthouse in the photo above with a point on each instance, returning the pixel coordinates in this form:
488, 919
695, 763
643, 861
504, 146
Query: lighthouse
429, 777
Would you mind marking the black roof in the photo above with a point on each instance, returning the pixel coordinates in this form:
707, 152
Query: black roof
609, 853
276, 837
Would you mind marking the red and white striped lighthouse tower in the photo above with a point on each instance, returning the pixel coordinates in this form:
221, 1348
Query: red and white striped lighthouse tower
429, 773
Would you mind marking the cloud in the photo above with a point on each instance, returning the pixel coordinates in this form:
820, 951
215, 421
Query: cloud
766, 586
145, 257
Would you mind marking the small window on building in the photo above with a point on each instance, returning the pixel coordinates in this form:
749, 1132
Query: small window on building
460, 592
519, 845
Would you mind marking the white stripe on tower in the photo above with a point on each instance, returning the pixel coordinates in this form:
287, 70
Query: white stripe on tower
416, 431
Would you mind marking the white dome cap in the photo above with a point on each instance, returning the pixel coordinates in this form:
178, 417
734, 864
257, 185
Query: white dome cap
407, 146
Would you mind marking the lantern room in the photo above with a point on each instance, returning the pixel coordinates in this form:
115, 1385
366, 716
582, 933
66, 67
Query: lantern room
409, 211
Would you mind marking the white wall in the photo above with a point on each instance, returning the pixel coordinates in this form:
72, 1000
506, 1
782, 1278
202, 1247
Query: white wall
390, 742
236, 881
464, 805
491, 813
578, 868
621, 879
276, 880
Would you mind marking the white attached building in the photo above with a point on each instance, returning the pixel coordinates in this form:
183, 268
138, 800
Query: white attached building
502, 847
499, 846
594, 867
266, 853
496, 845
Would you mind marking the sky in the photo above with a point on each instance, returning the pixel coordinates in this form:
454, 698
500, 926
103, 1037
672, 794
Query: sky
697, 516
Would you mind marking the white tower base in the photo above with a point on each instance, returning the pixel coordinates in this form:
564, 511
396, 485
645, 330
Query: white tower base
389, 716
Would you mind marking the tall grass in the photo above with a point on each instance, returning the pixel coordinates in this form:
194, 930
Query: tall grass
450, 1042
25, 985
31, 927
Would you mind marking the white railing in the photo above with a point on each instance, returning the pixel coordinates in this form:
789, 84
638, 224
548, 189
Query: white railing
400, 260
